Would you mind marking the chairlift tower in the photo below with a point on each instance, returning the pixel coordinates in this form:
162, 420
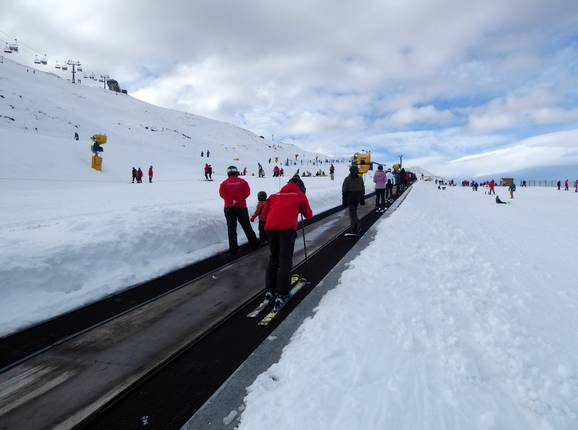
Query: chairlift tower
74, 64
103, 79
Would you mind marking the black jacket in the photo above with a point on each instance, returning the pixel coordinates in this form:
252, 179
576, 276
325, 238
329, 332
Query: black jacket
353, 190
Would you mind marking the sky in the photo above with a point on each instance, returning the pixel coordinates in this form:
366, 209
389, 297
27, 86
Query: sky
462, 88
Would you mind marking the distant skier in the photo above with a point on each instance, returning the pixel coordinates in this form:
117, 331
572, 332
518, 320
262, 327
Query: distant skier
332, 171
134, 173
281, 211
150, 174
245, 171
389, 182
208, 153
206, 170
576, 185
275, 171
234, 191
566, 185
492, 185
512, 188
558, 184
202, 153
261, 197
500, 202
139, 176
281, 172
379, 179
210, 172
76, 137
353, 194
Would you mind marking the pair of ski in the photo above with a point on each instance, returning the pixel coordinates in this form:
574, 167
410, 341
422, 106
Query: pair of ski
296, 284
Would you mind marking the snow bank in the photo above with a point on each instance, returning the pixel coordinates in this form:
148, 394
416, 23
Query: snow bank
462, 314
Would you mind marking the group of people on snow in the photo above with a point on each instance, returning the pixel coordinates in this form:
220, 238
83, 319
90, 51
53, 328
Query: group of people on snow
137, 175
278, 219
278, 171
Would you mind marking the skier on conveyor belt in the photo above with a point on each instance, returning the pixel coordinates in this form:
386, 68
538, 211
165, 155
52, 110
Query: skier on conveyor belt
281, 211
353, 193
234, 191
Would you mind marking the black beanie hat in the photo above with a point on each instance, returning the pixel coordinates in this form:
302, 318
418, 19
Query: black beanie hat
297, 180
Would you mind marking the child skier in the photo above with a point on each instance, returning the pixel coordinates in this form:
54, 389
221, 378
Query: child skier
261, 197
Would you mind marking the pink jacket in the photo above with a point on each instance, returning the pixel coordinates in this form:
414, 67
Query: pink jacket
379, 179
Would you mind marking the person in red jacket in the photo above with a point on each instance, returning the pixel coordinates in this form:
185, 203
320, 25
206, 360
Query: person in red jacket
492, 186
234, 191
281, 211
150, 174
139, 176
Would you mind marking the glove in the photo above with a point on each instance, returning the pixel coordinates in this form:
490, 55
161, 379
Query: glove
252, 218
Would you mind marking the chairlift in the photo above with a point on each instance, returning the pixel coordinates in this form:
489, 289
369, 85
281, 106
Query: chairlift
101, 79
14, 46
57, 66
7, 49
79, 68
64, 67
37, 60
85, 76
44, 60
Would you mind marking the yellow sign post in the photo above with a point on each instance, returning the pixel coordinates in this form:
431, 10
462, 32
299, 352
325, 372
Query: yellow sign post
97, 139
97, 163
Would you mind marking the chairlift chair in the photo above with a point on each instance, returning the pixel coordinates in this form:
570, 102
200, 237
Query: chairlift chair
7, 49
57, 66
14, 46
44, 60
64, 67
79, 68
37, 60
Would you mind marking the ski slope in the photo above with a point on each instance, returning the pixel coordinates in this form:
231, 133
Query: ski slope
70, 235
461, 314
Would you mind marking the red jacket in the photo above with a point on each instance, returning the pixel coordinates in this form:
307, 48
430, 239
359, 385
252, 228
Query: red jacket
281, 209
150, 171
234, 192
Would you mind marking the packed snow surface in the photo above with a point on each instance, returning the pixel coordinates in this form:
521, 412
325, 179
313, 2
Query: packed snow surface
70, 235
461, 314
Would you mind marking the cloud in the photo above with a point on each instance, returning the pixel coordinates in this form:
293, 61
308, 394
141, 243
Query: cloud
421, 115
536, 108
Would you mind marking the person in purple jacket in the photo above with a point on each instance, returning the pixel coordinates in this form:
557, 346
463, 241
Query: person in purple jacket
379, 179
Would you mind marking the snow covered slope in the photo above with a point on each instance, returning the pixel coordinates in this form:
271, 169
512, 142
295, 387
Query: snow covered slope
40, 112
70, 235
461, 314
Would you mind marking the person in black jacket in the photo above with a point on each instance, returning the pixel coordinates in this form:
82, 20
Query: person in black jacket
353, 193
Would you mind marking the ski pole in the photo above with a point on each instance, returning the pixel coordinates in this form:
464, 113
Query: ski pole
303, 230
